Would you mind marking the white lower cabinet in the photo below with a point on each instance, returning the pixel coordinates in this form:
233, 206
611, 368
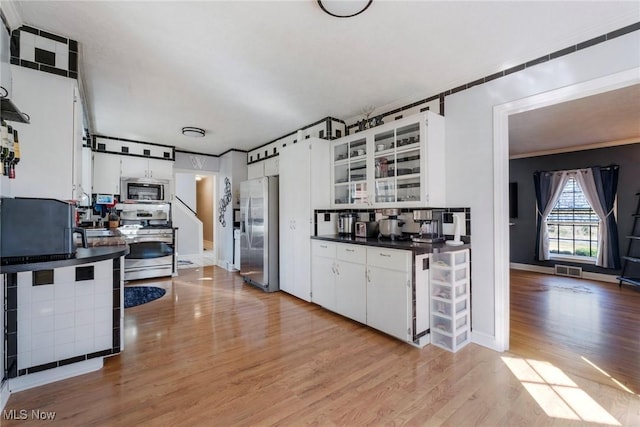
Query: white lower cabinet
370, 285
351, 285
323, 275
388, 291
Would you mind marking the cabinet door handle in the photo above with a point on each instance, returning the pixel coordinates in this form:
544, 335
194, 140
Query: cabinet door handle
385, 255
350, 250
323, 246
368, 275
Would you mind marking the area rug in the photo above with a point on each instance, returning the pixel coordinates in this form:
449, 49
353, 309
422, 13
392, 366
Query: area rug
136, 295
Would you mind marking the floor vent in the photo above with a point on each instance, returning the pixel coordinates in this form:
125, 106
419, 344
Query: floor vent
567, 270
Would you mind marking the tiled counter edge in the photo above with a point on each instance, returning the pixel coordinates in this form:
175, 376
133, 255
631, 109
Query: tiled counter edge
80, 334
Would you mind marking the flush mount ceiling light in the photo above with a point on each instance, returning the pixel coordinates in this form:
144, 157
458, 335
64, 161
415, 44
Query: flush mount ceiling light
192, 132
344, 8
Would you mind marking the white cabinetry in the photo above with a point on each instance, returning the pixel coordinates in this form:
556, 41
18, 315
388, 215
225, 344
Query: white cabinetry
106, 173
399, 163
266, 167
255, 170
272, 166
374, 286
388, 290
51, 144
351, 285
140, 167
304, 186
323, 270
450, 310
5, 67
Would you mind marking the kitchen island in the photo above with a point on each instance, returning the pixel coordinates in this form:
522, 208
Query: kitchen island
62, 317
399, 287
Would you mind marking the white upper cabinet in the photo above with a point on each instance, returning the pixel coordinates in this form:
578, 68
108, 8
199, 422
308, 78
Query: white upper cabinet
5, 67
396, 164
255, 170
140, 167
106, 173
50, 148
272, 166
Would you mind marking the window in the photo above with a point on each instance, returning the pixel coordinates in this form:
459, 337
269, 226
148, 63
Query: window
573, 225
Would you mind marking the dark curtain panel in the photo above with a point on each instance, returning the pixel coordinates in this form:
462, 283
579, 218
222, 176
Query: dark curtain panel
606, 180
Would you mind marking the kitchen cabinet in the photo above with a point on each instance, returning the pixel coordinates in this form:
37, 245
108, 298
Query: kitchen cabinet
388, 290
272, 166
51, 145
106, 173
349, 177
374, 286
323, 270
351, 285
304, 186
5, 67
397, 164
255, 170
450, 302
141, 167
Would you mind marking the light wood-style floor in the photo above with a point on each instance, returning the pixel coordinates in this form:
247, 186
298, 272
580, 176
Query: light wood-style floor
215, 352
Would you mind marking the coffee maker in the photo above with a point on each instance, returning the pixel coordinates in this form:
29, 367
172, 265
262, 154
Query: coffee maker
430, 225
347, 223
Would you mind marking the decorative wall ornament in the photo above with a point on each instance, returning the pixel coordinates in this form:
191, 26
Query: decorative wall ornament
197, 161
224, 202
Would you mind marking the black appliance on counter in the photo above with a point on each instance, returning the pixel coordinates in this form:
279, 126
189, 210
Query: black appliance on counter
37, 230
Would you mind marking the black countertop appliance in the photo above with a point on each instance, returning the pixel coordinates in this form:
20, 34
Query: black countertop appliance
37, 230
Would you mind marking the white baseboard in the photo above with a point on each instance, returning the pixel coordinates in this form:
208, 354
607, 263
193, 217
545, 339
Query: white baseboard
4, 394
549, 270
484, 340
25, 382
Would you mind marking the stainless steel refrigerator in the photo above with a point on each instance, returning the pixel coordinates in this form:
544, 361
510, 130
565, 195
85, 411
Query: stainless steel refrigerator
259, 233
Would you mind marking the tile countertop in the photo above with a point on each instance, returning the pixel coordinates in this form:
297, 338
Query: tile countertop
415, 247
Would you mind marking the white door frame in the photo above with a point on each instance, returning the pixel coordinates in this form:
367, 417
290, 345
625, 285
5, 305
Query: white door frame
501, 115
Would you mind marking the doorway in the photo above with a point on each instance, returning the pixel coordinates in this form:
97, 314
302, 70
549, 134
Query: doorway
501, 177
205, 188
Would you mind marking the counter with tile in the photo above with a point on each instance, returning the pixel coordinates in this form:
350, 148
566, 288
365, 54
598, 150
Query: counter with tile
62, 317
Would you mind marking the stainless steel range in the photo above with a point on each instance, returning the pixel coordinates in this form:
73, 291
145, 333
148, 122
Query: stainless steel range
151, 238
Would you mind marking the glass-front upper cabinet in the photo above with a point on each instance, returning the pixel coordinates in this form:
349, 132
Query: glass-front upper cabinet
399, 163
397, 160
350, 171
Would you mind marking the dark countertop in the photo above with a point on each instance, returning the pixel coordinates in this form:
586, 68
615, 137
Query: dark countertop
408, 245
83, 256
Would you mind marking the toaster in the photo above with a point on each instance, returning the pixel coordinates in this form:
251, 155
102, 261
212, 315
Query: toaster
366, 229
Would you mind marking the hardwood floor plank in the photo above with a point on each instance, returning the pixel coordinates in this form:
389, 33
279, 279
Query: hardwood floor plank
216, 352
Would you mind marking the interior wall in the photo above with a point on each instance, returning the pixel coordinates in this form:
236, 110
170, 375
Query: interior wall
186, 188
233, 166
204, 205
470, 158
523, 232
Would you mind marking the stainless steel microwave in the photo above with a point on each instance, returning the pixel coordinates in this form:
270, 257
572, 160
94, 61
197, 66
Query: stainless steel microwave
144, 190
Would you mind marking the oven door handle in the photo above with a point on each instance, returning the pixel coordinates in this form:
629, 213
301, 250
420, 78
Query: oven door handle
149, 250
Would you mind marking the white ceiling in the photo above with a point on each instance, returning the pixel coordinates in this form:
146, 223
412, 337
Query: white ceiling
249, 72
609, 118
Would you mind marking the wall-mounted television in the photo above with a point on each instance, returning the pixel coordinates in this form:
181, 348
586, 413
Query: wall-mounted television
513, 200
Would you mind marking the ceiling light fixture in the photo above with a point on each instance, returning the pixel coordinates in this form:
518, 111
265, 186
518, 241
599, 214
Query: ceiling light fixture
193, 132
344, 8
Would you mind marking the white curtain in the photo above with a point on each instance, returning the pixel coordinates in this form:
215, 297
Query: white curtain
585, 180
558, 181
